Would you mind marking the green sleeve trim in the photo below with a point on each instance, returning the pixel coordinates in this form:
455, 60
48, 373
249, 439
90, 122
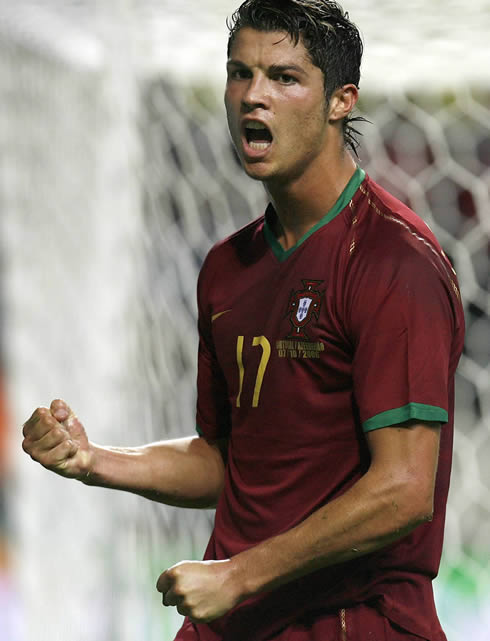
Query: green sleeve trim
417, 411
344, 199
199, 430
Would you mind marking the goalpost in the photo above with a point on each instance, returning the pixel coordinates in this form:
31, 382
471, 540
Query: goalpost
116, 179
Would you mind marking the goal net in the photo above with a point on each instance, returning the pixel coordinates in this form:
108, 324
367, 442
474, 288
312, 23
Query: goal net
117, 177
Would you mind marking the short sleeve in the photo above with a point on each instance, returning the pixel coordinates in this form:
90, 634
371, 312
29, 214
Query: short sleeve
213, 419
402, 322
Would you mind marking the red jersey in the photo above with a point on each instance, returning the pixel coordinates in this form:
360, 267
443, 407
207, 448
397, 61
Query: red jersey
358, 327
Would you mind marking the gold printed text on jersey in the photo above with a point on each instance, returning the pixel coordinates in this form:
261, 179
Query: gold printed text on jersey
299, 349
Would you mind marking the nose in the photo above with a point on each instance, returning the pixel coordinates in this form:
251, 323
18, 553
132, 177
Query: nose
256, 95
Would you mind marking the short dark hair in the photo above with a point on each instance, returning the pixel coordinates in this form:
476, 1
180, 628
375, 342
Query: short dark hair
331, 39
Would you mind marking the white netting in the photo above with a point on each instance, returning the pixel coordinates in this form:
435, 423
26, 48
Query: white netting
117, 176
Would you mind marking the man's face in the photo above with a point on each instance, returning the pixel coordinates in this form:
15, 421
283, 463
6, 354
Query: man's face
276, 107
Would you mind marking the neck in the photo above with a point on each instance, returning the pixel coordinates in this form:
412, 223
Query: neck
300, 204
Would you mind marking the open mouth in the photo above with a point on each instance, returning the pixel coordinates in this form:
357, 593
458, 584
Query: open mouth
258, 136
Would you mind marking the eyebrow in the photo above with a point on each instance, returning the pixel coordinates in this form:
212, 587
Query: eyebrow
277, 69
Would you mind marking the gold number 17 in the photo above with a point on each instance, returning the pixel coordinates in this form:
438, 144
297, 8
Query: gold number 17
266, 354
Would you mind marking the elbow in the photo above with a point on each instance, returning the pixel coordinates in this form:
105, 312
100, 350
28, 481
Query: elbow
211, 500
412, 505
425, 505
421, 499
421, 516
424, 510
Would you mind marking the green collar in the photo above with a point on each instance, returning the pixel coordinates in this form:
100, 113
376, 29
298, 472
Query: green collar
343, 200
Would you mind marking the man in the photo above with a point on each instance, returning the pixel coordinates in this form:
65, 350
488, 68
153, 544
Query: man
330, 330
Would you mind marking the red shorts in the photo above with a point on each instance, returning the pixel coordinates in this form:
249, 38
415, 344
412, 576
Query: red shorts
358, 623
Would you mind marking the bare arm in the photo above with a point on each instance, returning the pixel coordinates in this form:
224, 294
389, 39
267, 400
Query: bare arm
187, 472
390, 500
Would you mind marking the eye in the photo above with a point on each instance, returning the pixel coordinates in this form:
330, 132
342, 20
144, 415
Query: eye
286, 79
238, 74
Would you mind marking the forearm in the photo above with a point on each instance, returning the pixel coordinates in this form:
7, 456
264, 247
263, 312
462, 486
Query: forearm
186, 472
366, 518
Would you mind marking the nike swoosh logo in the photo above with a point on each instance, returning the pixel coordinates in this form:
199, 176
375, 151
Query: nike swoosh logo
215, 316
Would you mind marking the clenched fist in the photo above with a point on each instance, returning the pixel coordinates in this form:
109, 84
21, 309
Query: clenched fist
55, 438
201, 590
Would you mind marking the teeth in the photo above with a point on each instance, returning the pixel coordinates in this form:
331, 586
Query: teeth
255, 125
259, 146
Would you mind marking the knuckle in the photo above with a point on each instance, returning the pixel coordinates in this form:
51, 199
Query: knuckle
172, 574
59, 452
26, 446
35, 456
52, 460
66, 447
57, 434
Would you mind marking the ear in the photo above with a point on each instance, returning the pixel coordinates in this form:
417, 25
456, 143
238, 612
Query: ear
342, 102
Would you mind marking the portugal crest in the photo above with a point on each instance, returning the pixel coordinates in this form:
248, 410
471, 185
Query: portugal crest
303, 305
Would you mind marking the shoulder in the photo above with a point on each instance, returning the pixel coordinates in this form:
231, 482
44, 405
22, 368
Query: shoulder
383, 218
243, 237
234, 252
396, 261
390, 236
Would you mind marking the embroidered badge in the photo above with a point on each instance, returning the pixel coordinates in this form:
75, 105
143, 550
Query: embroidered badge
303, 306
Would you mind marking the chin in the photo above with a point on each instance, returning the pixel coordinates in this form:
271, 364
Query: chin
256, 175
258, 171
